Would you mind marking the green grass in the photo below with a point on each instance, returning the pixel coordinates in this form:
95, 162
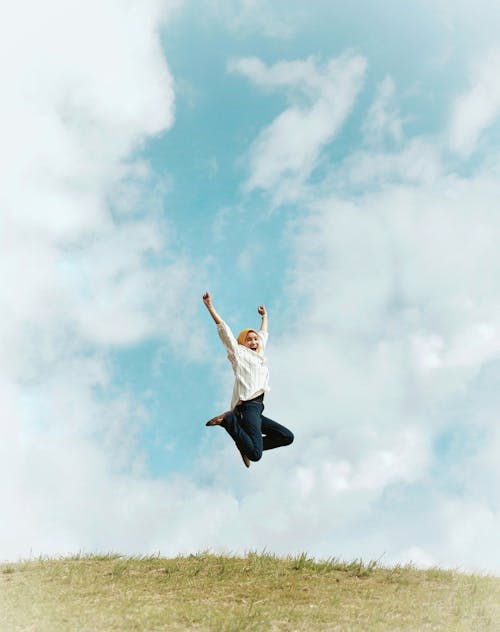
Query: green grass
236, 594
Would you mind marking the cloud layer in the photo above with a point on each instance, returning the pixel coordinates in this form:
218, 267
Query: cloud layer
477, 108
285, 153
397, 323
84, 258
387, 372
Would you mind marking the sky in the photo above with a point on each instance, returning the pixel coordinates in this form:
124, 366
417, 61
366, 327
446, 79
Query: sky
339, 164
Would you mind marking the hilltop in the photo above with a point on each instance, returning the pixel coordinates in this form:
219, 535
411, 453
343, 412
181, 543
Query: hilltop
252, 593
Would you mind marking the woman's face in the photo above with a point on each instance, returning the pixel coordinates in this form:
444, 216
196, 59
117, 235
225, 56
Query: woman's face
252, 341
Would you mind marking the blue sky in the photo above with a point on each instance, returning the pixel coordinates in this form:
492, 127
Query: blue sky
340, 165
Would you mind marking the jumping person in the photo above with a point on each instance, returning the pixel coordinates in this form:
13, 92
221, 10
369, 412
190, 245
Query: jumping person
251, 431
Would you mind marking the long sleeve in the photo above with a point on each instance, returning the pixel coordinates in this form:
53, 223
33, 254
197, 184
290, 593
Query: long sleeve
263, 336
227, 337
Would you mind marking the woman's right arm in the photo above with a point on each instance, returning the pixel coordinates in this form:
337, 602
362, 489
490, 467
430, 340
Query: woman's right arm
225, 333
207, 299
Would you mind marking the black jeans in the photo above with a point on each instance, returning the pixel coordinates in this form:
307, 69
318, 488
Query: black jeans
247, 425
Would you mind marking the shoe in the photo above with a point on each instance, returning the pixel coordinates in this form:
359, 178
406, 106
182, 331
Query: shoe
216, 421
246, 460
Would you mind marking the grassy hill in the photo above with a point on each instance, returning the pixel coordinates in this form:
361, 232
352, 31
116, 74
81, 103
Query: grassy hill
257, 592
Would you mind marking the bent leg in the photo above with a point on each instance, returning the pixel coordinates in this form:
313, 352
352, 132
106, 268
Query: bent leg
244, 426
275, 435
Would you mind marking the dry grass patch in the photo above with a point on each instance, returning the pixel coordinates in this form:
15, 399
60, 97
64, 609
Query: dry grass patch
257, 592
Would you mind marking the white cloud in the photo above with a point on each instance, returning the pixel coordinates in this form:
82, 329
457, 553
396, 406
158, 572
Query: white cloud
479, 107
285, 153
396, 318
86, 264
248, 17
383, 116
418, 161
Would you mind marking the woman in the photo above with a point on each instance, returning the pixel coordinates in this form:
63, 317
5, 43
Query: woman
251, 431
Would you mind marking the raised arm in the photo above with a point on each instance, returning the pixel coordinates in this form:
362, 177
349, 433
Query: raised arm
225, 333
262, 311
207, 299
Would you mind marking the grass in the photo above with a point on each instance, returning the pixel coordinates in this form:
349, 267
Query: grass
236, 594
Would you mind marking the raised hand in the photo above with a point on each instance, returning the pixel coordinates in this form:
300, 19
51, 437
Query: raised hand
262, 311
207, 299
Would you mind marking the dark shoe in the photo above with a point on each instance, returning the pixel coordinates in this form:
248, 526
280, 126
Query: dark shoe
216, 421
246, 460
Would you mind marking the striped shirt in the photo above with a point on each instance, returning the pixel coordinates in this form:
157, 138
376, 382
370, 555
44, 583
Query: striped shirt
250, 367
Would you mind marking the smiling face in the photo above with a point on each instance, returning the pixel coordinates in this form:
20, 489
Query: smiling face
252, 340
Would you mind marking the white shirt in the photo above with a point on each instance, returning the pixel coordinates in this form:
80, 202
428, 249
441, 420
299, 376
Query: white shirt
249, 367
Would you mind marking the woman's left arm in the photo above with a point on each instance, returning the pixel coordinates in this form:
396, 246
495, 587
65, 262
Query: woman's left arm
262, 311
